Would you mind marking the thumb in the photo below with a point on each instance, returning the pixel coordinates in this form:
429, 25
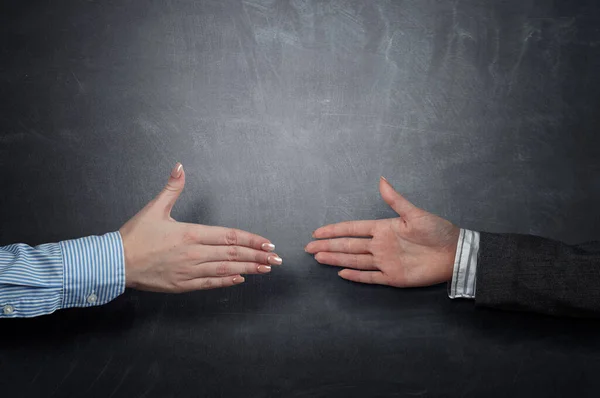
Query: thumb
396, 201
168, 196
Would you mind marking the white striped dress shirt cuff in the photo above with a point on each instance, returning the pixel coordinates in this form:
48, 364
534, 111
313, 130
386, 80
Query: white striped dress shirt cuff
94, 270
464, 281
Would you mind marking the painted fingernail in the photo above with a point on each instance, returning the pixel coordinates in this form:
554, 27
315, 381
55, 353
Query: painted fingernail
264, 269
238, 279
268, 247
176, 172
275, 260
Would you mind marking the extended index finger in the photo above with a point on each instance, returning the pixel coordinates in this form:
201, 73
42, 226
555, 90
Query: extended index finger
346, 228
222, 236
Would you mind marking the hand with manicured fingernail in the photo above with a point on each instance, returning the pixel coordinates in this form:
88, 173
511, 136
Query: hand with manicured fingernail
415, 249
163, 255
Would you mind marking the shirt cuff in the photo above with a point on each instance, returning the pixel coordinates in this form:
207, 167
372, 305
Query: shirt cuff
464, 281
94, 270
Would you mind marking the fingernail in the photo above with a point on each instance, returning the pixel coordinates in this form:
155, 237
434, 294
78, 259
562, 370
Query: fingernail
176, 172
313, 235
384, 179
238, 279
268, 247
275, 260
263, 269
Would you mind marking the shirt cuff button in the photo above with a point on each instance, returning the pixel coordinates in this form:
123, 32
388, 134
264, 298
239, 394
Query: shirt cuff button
8, 309
92, 298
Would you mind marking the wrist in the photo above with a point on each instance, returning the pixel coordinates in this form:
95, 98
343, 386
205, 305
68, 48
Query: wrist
453, 246
128, 260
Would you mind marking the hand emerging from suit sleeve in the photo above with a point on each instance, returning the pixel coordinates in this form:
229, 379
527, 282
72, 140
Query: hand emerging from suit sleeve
415, 249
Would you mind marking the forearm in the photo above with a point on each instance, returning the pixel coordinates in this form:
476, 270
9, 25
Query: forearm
529, 273
76, 273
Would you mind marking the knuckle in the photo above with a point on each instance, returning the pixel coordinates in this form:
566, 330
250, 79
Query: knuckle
182, 272
232, 253
352, 228
231, 237
170, 187
223, 268
206, 284
189, 236
178, 287
348, 246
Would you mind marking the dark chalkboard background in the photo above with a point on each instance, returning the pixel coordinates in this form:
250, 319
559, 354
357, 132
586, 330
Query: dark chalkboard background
285, 114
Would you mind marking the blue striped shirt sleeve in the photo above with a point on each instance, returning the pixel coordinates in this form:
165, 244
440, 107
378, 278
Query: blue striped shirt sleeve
74, 273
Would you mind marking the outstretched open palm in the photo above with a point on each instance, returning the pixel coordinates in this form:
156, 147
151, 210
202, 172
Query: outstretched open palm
415, 249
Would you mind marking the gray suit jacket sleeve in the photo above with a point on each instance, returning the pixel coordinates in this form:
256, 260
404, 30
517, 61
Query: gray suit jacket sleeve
529, 273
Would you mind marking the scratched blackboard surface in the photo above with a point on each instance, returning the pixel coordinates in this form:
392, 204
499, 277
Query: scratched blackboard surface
285, 114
